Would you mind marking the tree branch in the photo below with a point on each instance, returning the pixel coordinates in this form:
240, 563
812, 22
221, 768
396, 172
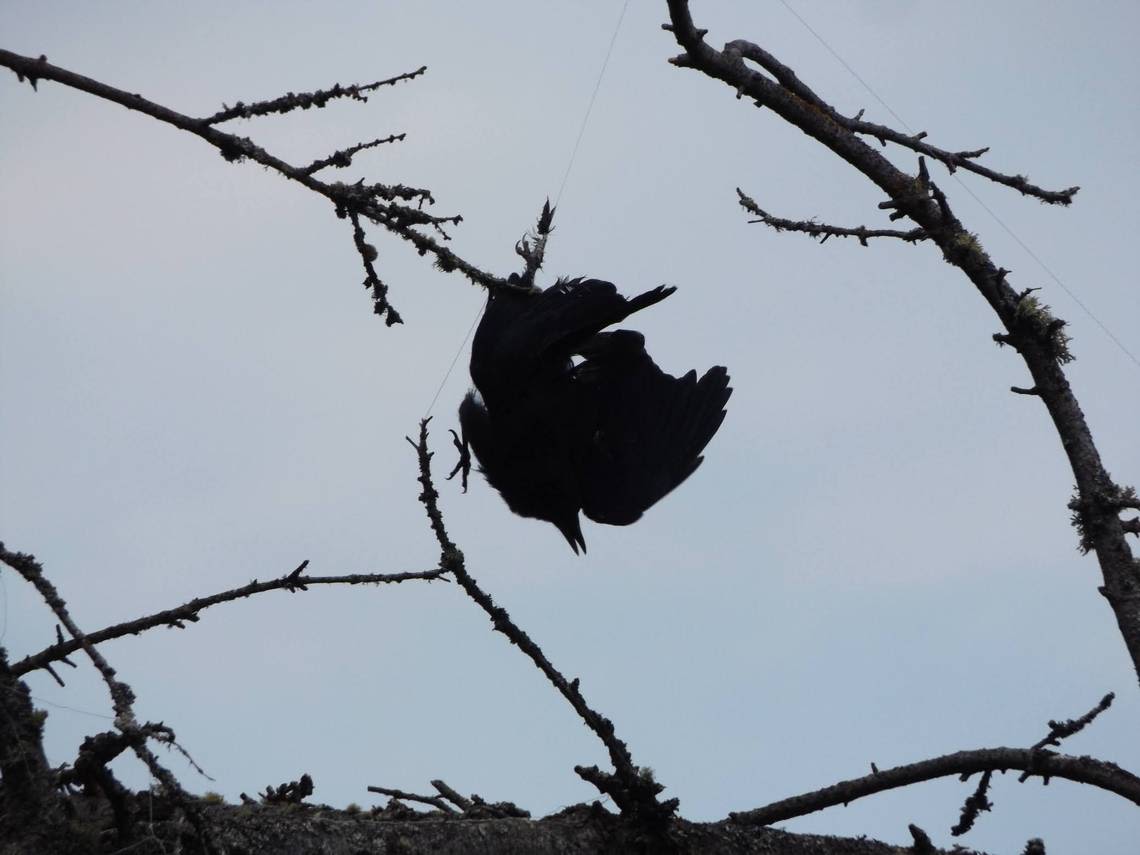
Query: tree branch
435, 801
343, 158
633, 789
1059, 730
532, 248
122, 697
188, 612
305, 100
377, 202
1029, 326
822, 230
1039, 763
952, 160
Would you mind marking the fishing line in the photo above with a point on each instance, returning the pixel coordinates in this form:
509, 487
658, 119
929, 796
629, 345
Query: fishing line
557, 198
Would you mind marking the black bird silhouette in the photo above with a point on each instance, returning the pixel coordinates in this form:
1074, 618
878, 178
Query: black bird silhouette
609, 434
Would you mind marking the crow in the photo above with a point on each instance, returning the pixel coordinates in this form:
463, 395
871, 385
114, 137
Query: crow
565, 418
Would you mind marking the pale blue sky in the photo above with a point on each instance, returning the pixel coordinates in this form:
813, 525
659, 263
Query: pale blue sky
874, 563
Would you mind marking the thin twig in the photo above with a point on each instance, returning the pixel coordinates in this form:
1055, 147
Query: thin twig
977, 802
434, 801
452, 795
188, 612
532, 247
1059, 730
122, 697
1029, 326
1043, 764
634, 793
377, 202
368, 254
343, 158
305, 100
951, 159
823, 231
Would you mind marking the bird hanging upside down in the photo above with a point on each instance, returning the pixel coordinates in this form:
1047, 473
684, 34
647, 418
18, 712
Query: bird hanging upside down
608, 434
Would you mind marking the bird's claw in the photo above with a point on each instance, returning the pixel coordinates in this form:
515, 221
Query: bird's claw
464, 464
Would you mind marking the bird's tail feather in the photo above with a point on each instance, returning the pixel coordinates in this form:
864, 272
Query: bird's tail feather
653, 427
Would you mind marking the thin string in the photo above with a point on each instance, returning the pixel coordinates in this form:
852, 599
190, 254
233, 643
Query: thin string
557, 198
454, 359
966, 187
590, 105
46, 702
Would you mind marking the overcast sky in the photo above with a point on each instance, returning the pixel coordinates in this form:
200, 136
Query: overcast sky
874, 563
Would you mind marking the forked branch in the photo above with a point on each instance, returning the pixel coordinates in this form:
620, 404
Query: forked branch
1028, 325
1037, 763
122, 697
634, 791
386, 205
178, 616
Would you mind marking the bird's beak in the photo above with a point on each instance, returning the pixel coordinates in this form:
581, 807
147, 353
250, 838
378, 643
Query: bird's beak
572, 530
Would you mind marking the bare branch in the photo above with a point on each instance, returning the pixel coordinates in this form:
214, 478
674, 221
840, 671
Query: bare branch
922, 842
434, 801
343, 158
469, 808
188, 612
290, 792
1030, 327
1059, 730
1033, 761
952, 160
368, 254
122, 697
377, 202
977, 802
1043, 764
456, 798
822, 230
633, 789
305, 100
532, 248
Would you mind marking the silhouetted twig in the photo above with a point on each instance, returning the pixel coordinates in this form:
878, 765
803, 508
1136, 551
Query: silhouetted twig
1029, 326
1059, 730
977, 802
305, 100
1043, 764
178, 616
922, 843
122, 697
291, 792
952, 160
383, 204
633, 790
532, 248
434, 801
343, 158
822, 230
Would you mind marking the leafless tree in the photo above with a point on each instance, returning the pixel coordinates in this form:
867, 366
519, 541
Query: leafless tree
81, 807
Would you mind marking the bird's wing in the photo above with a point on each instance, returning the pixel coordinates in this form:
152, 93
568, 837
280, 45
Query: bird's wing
651, 426
558, 321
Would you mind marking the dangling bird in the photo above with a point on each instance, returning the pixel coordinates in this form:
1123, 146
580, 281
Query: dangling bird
608, 435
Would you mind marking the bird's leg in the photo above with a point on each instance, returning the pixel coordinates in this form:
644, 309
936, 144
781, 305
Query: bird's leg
464, 464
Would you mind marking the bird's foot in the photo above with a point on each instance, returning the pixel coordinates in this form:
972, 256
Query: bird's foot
464, 464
